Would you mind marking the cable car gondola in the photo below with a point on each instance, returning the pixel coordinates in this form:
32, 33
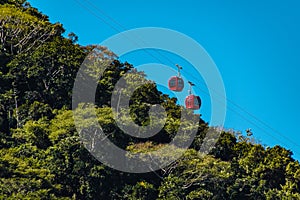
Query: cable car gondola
176, 83
192, 101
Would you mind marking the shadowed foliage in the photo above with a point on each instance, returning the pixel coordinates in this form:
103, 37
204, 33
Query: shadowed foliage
42, 156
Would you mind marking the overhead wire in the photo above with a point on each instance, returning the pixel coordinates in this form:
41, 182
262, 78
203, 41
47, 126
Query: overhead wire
248, 113
123, 28
116, 29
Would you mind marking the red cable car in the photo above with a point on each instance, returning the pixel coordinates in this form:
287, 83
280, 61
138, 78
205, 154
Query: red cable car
176, 83
191, 101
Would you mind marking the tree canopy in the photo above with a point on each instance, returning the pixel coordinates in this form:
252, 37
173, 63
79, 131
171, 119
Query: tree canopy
42, 156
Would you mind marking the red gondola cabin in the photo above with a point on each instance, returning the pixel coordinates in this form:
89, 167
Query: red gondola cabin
193, 102
176, 84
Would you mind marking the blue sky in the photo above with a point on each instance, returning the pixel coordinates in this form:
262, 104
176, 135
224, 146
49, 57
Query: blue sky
255, 45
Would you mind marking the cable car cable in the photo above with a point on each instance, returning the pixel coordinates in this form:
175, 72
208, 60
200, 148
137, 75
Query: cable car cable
230, 101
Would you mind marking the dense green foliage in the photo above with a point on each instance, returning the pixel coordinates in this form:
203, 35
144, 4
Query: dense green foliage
41, 156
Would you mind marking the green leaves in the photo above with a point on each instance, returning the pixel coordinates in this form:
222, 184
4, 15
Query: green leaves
42, 156
22, 31
196, 176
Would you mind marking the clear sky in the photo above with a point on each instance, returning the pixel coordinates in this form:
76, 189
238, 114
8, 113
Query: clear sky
255, 45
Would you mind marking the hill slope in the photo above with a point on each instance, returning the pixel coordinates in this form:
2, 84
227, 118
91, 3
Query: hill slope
42, 157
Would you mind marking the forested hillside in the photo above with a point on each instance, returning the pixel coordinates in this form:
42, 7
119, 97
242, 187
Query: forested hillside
42, 157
